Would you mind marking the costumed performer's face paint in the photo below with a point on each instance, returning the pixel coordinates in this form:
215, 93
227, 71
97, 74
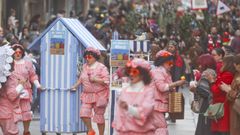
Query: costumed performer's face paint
18, 54
90, 59
168, 65
134, 75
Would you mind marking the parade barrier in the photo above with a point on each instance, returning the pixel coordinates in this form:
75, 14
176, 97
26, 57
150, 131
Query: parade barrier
62, 46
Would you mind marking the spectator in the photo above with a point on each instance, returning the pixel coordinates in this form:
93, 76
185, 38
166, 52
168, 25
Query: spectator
228, 50
233, 91
61, 13
178, 68
24, 34
214, 39
235, 44
35, 21
218, 55
1, 32
12, 20
202, 90
34, 33
222, 126
11, 39
3, 41
194, 52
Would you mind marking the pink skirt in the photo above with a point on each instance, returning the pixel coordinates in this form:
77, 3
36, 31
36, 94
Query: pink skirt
25, 106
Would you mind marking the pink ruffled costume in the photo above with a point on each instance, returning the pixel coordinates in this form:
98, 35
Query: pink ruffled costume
10, 111
125, 122
93, 91
25, 71
162, 79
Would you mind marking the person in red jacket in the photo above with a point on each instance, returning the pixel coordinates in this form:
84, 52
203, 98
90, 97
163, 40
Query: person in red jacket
222, 126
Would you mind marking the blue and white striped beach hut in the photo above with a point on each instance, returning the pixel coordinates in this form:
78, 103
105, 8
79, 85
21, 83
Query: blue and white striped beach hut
62, 46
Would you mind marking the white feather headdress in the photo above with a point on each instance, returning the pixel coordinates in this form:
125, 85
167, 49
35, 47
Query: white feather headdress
6, 59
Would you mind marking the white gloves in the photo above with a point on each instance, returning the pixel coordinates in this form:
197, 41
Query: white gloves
37, 84
193, 84
133, 111
19, 88
24, 94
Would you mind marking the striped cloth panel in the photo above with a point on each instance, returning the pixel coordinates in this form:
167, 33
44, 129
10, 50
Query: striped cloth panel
140, 46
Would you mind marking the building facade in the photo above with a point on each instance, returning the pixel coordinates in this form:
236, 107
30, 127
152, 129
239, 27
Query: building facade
26, 9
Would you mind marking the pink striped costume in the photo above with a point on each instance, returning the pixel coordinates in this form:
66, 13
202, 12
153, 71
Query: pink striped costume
10, 111
137, 120
93, 91
162, 79
25, 71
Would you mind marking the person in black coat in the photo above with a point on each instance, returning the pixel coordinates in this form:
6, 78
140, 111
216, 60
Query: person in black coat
202, 91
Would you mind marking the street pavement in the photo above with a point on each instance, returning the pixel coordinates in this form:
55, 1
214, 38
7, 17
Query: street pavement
186, 126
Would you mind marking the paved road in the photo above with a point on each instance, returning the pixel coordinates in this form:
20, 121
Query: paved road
181, 127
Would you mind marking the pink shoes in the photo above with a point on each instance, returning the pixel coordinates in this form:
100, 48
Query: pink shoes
91, 132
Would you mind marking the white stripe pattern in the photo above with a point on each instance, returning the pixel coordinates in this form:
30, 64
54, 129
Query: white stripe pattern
51, 91
56, 86
62, 86
145, 46
62, 95
68, 81
137, 45
46, 83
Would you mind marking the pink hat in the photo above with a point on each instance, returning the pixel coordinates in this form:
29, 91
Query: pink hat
136, 62
164, 54
94, 50
17, 45
162, 57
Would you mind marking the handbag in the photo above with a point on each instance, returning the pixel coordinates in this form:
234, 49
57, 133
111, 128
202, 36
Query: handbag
176, 105
102, 102
196, 105
215, 111
236, 105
